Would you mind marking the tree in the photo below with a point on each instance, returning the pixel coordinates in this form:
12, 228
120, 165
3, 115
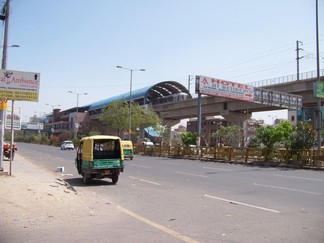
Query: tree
115, 116
267, 136
303, 136
163, 131
229, 135
143, 117
188, 138
284, 132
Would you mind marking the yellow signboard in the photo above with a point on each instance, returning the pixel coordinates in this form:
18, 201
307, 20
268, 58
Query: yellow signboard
19, 95
17, 85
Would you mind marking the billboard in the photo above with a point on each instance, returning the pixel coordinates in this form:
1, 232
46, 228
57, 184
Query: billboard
277, 98
16, 118
17, 85
224, 88
319, 89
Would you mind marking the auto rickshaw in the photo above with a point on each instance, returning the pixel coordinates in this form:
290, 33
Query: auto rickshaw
99, 157
128, 149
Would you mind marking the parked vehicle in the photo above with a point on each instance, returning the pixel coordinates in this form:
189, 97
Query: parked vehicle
99, 157
7, 150
128, 149
67, 145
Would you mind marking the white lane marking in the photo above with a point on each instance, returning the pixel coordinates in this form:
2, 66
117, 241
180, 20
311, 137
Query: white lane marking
151, 182
288, 189
299, 177
157, 226
212, 168
185, 173
142, 166
243, 204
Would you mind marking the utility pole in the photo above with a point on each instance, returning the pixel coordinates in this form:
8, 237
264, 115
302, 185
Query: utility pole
4, 66
298, 57
319, 100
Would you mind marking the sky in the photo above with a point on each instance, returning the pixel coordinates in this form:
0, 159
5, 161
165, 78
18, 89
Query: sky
76, 45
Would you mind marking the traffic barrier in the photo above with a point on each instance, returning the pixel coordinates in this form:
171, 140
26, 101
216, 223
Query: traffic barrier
237, 155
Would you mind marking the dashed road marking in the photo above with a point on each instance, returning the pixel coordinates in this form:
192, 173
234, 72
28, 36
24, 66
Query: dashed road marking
288, 189
299, 177
151, 182
243, 204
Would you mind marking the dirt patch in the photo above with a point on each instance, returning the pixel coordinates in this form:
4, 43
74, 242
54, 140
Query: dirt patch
37, 205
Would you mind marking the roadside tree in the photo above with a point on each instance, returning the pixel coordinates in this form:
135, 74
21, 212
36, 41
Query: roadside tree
230, 135
163, 131
284, 132
303, 136
116, 116
189, 138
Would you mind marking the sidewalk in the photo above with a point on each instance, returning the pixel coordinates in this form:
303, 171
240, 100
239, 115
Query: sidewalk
38, 206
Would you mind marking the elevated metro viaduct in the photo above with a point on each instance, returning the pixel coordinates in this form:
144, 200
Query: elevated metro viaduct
233, 110
163, 92
173, 102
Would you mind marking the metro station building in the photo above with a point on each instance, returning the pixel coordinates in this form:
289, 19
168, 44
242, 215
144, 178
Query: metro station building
88, 116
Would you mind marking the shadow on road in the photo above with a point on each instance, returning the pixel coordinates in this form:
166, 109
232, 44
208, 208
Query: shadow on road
78, 182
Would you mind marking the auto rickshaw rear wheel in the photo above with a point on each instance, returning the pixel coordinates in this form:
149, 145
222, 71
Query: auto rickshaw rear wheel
114, 178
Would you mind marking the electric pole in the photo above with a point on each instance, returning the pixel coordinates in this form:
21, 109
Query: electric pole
319, 100
6, 9
298, 57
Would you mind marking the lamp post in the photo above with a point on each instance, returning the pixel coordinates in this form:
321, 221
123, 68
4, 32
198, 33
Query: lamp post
53, 106
130, 97
76, 126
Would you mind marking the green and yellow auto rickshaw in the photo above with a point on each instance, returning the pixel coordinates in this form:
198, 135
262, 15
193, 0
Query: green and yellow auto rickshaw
99, 157
128, 149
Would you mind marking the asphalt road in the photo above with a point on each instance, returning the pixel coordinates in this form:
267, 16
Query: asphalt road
206, 201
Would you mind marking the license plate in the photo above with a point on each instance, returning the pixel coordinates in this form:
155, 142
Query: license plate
107, 172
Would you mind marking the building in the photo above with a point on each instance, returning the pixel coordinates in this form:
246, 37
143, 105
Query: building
85, 119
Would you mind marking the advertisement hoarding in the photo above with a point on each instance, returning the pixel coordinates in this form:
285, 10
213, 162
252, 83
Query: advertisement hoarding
223, 88
319, 89
17, 85
16, 118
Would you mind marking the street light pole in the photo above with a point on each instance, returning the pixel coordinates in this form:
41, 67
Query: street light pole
53, 106
130, 98
76, 126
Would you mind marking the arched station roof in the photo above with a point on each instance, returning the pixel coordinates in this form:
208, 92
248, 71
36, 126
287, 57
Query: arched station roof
147, 94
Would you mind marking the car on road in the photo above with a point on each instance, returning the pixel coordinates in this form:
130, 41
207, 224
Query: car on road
67, 145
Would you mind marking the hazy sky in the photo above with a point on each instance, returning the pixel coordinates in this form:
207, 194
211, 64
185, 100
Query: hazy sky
76, 44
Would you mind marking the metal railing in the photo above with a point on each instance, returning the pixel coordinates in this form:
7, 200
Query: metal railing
237, 155
286, 79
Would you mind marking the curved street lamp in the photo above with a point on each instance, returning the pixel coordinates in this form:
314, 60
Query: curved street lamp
130, 97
